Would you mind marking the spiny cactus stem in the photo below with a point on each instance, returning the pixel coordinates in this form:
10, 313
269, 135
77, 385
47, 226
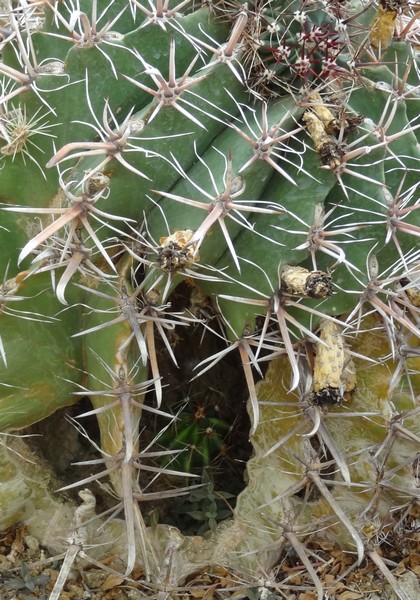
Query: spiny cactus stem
28, 79
138, 389
174, 103
124, 470
312, 474
134, 520
244, 345
389, 314
22, 78
410, 30
112, 145
127, 304
398, 430
290, 531
265, 143
83, 205
299, 548
227, 54
152, 320
31, 67
110, 148
316, 239
218, 208
344, 168
169, 92
89, 36
235, 36
247, 359
161, 13
388, 139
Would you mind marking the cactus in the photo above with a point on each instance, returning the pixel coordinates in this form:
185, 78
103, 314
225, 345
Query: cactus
242, 177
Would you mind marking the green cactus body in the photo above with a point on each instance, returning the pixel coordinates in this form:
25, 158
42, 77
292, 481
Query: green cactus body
199, 432
217, 181
36, 382
243, 171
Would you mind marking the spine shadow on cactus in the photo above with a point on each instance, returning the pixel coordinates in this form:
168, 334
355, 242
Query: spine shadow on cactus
217, 191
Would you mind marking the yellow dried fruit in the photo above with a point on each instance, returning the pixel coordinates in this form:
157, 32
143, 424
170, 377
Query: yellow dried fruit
328, 120
325, 144
300, 281
383, 26
176, 252
334, 376
384, 22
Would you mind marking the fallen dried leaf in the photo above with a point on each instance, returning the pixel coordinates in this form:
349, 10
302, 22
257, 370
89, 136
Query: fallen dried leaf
348, 595
18, 544
111, 581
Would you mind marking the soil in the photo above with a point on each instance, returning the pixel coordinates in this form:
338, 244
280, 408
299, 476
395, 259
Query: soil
27, 572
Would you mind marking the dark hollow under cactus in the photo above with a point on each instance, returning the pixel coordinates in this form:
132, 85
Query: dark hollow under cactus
247, 173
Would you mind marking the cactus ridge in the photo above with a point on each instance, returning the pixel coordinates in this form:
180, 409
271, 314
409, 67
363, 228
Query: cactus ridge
221, 190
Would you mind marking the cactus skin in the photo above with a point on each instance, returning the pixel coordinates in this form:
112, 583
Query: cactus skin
224, 146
